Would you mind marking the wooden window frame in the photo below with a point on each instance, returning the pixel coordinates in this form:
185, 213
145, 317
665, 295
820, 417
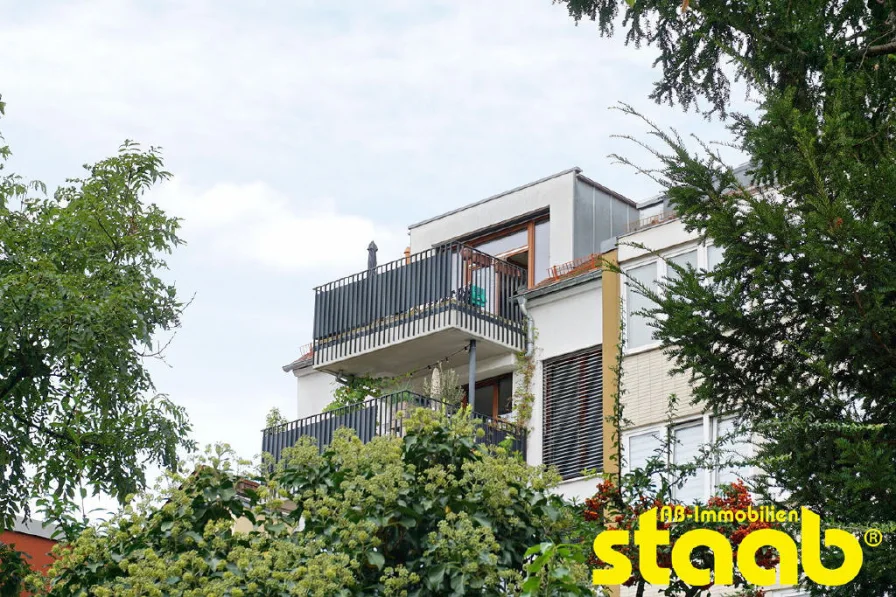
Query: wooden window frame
495, 382
530, 243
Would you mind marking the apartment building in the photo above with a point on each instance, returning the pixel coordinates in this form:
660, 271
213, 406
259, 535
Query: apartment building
520, 273
644, 255
514, 273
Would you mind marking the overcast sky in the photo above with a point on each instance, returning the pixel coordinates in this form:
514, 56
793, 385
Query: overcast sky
299, 131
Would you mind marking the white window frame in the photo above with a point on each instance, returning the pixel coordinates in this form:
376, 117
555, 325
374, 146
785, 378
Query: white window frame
710, 434
661, 272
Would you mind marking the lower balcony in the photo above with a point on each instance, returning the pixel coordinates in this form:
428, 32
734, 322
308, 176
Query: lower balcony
417, 310
380, 416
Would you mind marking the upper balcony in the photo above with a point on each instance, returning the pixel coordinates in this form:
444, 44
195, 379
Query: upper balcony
416, 310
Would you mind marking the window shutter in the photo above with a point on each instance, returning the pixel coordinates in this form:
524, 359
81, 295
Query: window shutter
573, 412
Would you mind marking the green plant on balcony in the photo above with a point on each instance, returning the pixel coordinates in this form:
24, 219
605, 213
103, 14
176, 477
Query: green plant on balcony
274, 418
357, 389
448, 389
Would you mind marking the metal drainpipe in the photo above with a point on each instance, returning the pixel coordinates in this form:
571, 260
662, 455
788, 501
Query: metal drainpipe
530, 328
471, 381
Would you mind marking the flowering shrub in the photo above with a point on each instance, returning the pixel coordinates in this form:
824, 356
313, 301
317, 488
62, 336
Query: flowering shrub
612, 507
432, 513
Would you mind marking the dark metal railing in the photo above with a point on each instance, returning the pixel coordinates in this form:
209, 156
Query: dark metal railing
448, 285
380, 416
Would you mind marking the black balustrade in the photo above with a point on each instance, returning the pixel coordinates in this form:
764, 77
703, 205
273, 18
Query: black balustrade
447, 285
383, 415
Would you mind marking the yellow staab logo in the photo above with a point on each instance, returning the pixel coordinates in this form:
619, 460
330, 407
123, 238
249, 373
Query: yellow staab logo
648, 537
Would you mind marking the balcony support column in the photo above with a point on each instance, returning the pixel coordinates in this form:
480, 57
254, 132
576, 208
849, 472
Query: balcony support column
472, 376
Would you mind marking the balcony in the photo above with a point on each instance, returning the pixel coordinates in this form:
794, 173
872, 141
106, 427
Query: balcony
380, 416
417, 310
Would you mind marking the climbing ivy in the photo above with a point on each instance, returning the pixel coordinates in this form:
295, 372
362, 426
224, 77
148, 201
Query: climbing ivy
523, 395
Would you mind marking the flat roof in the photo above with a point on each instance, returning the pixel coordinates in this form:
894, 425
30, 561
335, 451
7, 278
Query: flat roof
574, 170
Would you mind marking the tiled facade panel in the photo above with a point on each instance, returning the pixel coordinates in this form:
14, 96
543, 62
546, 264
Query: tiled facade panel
647, 385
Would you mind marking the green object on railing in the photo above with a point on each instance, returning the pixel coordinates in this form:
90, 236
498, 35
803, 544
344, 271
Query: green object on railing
477, 296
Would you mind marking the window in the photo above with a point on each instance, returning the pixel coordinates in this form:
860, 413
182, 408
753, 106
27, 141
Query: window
526, 245
493, 396
638, 333
714, 257
638, 330
689, 438
573, 412
685, 260
542, 261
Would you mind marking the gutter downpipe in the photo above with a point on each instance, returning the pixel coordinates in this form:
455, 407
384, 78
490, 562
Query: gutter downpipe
530, 330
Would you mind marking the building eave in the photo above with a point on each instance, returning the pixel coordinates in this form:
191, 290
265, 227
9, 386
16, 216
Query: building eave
35, 528
575, 170
606, 190
563, 284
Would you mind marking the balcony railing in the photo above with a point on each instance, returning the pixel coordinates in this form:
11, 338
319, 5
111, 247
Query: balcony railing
653, 220
380, 416
448, 285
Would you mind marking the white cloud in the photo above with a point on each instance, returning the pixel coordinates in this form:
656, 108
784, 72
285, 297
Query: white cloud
253, 224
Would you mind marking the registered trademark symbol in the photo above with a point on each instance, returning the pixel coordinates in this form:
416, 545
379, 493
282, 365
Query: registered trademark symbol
873, 537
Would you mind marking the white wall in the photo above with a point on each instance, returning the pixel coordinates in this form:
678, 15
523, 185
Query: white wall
556, 193
566, 321
314, 391
656, 238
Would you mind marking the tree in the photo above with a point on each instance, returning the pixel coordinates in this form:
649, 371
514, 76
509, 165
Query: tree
432, 513
80, 301
795, 330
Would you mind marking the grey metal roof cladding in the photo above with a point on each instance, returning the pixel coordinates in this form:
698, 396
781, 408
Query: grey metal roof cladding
606, 190
652, 201
574, 169
33, 527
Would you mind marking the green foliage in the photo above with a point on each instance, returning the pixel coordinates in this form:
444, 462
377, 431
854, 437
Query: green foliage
14, 570
80, 303
523, 396
274, 418
555, 570
432, 513
773, 45
449, 390
358, 389
795, 330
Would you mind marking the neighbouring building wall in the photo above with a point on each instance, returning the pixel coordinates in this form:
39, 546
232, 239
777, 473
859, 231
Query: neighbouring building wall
314, 391
655, 238
555, 193
34, 539
566, 321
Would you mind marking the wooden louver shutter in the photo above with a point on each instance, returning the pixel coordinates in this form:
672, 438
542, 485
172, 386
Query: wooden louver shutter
573, 412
